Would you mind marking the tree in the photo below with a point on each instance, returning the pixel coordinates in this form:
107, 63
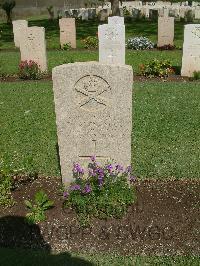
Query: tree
7, 6
115, 7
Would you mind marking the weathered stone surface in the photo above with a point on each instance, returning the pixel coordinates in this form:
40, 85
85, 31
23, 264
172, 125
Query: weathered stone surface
191, 50
165, 31
33, 46
67, 31
112, 44
116, 20
197, 13
18, 29
93, 104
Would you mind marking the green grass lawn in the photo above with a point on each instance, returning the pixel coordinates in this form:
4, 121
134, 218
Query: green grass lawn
18, 257
10, 60
87, 28
166, 128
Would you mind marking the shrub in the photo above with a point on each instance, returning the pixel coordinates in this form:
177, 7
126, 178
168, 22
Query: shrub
29, 70
38, 208
167, 47
90, 42
157, 68
196, 75
139, 43
106, 192
126, 12
66, 46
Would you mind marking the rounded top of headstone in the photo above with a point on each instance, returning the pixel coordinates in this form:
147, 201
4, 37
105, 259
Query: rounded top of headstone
191, 26
89, 64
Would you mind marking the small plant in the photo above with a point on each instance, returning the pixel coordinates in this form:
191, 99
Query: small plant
196, 75
29, 70
38, 208
6, 199
106, 192
90, 42
157, 68
126, 12
139, 43
66, 46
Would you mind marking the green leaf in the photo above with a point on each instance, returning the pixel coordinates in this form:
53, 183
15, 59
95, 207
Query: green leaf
28, 204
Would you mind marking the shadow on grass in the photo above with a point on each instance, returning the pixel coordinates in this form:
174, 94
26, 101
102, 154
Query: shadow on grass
22, 244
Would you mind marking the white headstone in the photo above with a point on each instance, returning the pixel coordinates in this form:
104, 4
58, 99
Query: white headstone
18, 29
165, 31
197, 13
115, 20
33, 46
111, 44
93, 104
191, 50
67, 31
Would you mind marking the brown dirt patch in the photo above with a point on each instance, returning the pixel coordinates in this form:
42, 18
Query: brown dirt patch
165, 220
173, 78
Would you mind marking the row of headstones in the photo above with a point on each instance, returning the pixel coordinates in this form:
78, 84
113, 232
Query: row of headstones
112, 42
135, 12
157, 3
32, 44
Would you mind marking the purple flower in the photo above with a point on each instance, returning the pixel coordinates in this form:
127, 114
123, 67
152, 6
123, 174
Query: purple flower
77, 169
75, 187
119, 168
128, 170
109, 167
87, 189
100, 172
100, 180
91, 172
132, 179
93, 158
65, 194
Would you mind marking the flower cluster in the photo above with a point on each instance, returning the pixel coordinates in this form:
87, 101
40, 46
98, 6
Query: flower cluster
90, 42
105, 192
139, 43
29, 70
97, 175
157, 68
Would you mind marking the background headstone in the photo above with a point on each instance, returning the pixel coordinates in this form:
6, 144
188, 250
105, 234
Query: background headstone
197, 13
93, 104
33, 46
165, 31
67, 32
112, 44
103, 15
191, 50
116, 20
18, 28
153, 14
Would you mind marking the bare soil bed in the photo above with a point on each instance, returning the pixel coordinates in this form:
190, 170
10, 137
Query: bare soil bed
176, 78
165, 220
